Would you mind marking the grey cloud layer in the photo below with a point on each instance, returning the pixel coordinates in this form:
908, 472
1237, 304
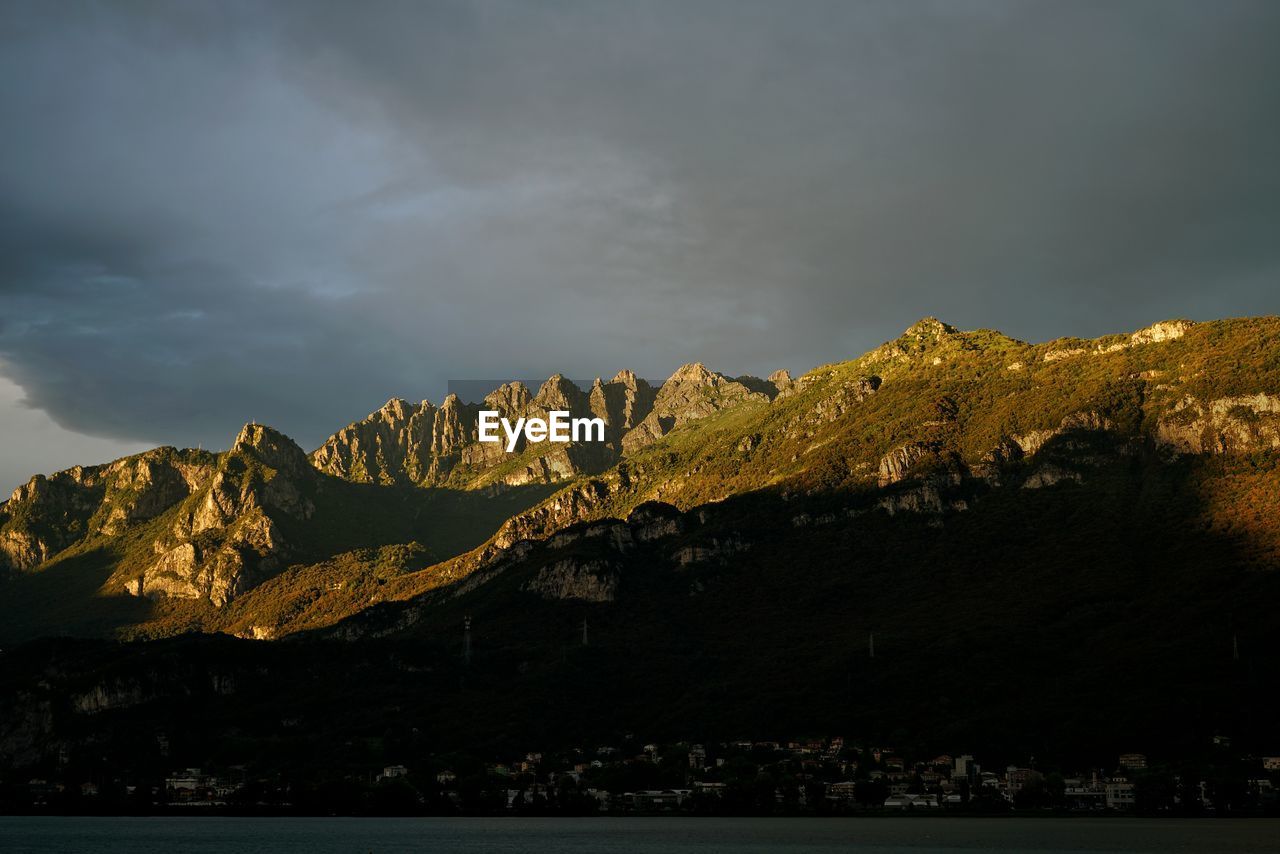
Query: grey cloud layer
217, 212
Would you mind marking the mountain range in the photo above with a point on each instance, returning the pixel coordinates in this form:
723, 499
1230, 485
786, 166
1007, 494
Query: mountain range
1059, 548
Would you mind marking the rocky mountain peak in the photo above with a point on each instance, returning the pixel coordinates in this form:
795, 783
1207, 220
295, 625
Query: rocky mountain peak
694, 372
622, 402
33, 489
918, 339
225, 535
272, 447
511, 399
692, 392
929, 328
559, 393
395, 410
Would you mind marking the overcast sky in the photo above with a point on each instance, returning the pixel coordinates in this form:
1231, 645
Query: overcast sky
289, 212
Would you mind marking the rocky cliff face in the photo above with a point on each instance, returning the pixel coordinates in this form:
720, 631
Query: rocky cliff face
400, 443
418, 444
226, 535
895, 465
48, 514
225, 532
583, 580
623, 403
1226, 425
691, 393
421, 444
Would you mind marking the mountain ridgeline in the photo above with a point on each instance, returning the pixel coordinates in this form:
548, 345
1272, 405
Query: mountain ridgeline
915, 425
226, 515
1026, 528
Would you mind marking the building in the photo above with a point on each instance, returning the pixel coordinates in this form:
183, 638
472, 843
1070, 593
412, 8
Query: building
1081, 794
1133, 761
906, 802
188, 779
1016, 779
1119, 793
193, 786
846, 790
656, 800
697, 757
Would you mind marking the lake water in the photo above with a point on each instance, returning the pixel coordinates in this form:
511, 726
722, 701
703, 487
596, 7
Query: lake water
195, 835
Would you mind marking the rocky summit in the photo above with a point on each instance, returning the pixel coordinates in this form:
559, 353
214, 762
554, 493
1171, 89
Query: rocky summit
1095, 517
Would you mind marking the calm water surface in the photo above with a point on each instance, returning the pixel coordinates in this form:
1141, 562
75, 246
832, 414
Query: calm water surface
604, 835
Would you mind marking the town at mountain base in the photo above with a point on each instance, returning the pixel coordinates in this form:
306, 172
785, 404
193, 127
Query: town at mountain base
957, 543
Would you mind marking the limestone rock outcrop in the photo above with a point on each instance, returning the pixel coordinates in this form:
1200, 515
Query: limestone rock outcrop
405, 443
654, 520
840, 400
1165, 330
1226, 425
691, 393
582, 580
994, 462
578, 503
399, 443
623, 402
717, 549
48, 514
1049, 474
895, 464
1033, 440
226, 535
782, 381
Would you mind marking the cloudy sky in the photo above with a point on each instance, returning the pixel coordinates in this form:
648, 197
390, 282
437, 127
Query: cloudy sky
289, 212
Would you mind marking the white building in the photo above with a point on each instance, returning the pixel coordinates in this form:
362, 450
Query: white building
1119, 793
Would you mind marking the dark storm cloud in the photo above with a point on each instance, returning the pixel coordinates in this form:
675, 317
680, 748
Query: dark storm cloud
289, 212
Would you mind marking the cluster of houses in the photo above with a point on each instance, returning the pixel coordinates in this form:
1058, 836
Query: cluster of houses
822, 774
825, 769
193, 787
